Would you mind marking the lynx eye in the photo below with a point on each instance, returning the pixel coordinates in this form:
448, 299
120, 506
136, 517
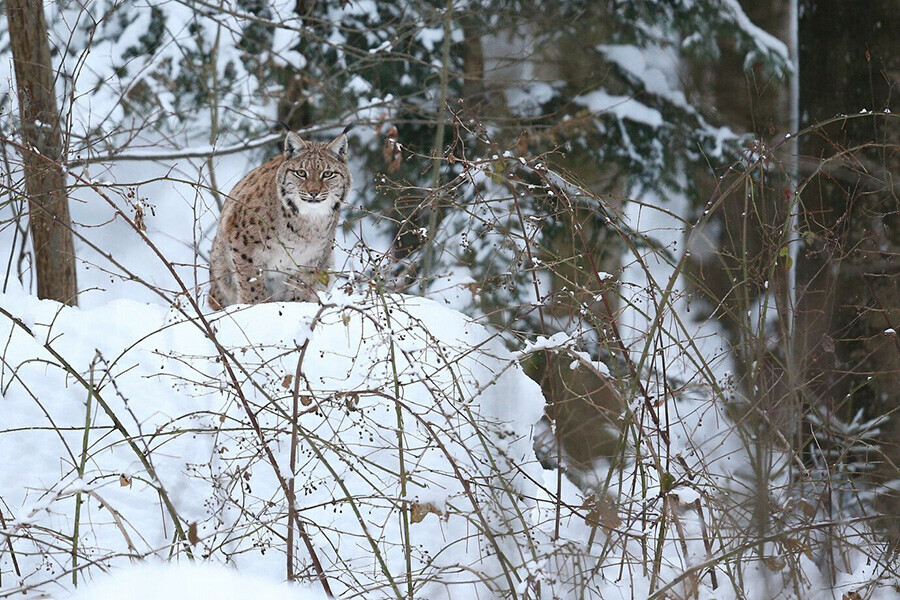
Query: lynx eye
328, 174
301, 173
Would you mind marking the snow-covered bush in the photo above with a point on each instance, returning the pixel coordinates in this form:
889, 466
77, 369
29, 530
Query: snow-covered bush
402, 430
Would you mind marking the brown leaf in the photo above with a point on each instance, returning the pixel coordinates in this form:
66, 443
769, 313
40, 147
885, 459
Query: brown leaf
796, 545
139, 220
287, 381
418, 511
522, 144
392, 152
808, 508
124, 480
601, 512
192, 534
851, 596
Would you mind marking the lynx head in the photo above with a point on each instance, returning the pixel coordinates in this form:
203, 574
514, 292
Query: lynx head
313, 173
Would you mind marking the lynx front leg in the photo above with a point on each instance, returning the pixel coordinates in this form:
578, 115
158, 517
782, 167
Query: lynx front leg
223, 289
305, 282
250, 279
302, 285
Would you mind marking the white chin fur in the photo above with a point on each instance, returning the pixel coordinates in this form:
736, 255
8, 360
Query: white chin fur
306, 207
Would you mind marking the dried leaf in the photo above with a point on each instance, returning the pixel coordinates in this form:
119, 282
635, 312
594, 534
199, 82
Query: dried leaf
393, 155
797, 546
418, 511
139, 220
124, 480
192, 534
287, 381
522, 143
601, 512
808, 508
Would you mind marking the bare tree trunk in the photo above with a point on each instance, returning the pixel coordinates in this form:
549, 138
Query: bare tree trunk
848, 284
45, 181
474, 89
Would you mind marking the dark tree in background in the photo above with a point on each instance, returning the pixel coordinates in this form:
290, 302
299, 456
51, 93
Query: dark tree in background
43, 152
809, 225
848, 271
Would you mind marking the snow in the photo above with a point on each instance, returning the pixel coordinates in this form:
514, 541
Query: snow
623, 107
189, 581
764, 41
528, 99
283, 43
430, 37
385, 46
654, 67
657, 325
375, 371
560, 339
456, 289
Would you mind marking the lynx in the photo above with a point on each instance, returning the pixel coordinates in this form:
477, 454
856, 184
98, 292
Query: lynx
276, 233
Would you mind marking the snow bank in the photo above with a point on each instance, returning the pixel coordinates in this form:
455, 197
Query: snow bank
189, 581
138, 427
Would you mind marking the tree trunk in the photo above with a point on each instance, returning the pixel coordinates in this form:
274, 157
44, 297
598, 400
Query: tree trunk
848, 289
45, 181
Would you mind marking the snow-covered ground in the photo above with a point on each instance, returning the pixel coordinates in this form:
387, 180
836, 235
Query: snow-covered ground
412, 451
190, 581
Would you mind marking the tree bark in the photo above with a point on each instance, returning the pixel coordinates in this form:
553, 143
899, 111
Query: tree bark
848, 272
45, 181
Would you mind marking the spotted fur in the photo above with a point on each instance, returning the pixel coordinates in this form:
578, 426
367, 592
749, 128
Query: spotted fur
276, 233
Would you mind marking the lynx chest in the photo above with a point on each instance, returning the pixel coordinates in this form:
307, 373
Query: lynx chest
300, 250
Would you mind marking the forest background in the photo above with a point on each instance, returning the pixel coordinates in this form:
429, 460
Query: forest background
652, 204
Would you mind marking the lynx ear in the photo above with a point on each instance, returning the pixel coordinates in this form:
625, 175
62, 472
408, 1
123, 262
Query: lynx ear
293, 144
338, 147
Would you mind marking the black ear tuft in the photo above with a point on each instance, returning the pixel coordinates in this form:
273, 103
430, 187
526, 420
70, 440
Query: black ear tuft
293, 144
338, 147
